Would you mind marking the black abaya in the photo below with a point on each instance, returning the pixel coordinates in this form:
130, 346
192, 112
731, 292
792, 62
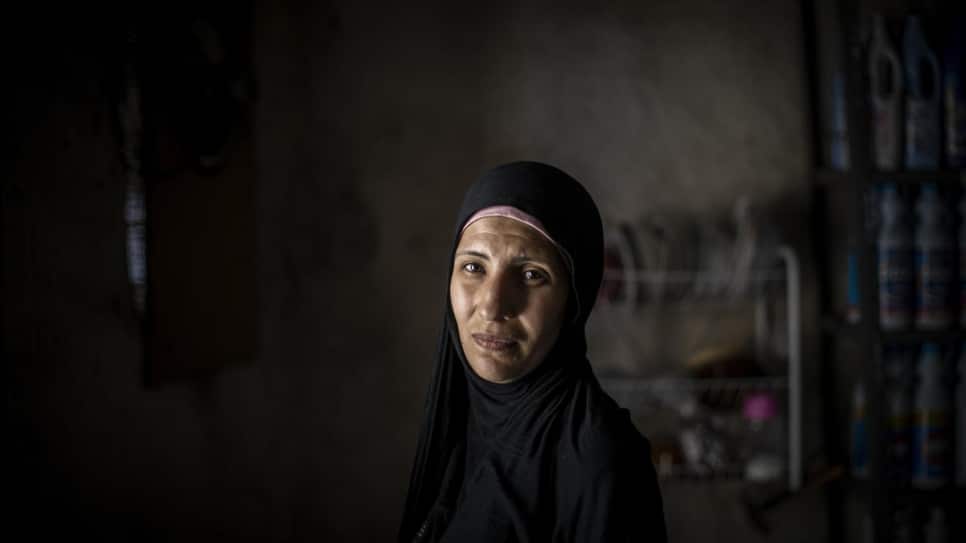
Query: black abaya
548, 457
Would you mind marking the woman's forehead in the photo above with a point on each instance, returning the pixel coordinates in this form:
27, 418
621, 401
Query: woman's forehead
502, 230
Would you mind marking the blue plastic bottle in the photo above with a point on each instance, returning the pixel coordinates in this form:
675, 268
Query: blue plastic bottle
922, 98
954, 93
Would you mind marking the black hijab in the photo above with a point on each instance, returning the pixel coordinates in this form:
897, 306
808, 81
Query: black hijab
548, 456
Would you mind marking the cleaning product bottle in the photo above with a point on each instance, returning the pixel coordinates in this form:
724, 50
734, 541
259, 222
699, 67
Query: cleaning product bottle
933, 261
860, 438
935, 529
930, 422
895, 262
954, 86
885, 75
922, 92
899, 411
960, 439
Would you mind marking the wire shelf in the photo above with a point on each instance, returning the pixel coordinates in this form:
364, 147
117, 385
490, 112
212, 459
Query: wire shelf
621, 385
688, 276
708, 413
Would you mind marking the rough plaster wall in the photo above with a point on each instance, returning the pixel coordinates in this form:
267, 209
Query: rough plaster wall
371, 119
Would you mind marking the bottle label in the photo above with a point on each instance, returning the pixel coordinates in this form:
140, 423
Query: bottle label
935, 283
922, 134
895, 283
885, 136
930, 445
900, 437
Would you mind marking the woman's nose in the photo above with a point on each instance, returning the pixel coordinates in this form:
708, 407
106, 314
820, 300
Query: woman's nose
499, 298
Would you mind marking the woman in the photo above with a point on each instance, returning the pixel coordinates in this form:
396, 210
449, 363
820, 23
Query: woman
519, 442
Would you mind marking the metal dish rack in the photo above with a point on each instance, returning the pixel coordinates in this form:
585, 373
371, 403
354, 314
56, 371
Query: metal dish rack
636, 392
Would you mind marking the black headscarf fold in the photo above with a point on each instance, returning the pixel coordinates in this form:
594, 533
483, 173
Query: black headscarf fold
484, 443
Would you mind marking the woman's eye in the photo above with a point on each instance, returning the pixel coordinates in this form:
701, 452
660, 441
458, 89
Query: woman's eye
472, 267
534, 276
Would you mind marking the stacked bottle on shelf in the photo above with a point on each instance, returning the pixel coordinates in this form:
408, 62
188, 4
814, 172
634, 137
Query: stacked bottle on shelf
924, 398
917, 101
917, 263
917, 98
921, 286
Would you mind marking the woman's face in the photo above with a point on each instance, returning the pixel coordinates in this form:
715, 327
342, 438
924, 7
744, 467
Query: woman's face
509, 293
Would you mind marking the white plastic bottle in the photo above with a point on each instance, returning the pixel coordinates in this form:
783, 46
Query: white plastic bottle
885, 76
934, 262
930, 442
961, 418
922, 91
895, 263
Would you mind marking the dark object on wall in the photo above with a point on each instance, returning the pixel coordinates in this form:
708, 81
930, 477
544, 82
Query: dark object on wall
194, 74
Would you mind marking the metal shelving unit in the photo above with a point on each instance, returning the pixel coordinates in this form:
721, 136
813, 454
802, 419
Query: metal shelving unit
728, 393
859, 182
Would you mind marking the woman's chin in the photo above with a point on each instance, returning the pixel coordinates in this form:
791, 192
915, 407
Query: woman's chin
497, 372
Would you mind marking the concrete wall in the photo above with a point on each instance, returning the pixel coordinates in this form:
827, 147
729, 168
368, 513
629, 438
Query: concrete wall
372, 118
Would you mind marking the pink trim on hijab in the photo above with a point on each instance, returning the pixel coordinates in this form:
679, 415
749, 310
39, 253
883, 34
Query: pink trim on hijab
509, 212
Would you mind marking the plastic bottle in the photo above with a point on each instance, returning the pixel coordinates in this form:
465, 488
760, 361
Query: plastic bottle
954, 93
765, 462
904, 525
934, 262
961, 418
885, 75
868, 527
930, 422
895, 263
838, 144
922, 92
935, 529
899, 411
860, 450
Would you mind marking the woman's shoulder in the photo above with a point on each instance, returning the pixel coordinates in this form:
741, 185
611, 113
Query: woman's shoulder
601, 433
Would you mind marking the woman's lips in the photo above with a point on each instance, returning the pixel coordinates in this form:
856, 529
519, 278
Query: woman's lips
494, 343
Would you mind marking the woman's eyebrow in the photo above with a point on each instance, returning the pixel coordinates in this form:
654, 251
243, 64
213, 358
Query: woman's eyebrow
471, 252
521, 259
